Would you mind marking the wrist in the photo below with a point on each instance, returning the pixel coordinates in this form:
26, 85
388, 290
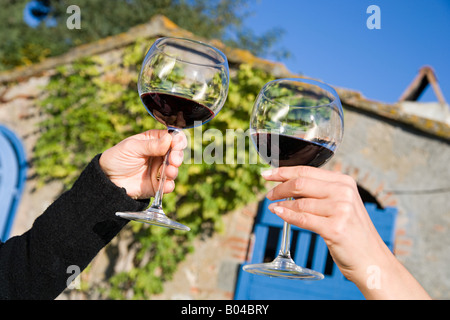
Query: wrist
388, 279
104, 168
102, 165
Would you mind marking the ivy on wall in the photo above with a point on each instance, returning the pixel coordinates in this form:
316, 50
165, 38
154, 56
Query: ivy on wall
92, 104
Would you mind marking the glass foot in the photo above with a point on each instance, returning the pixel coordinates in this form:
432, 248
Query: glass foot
283, 268
154, 217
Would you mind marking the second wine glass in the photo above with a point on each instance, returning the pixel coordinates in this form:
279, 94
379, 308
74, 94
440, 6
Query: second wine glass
294, 122
183, 83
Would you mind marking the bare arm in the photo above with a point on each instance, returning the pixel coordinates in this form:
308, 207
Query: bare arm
329, 204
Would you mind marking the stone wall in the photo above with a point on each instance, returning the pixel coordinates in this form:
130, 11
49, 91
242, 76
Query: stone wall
20, 113
406, 168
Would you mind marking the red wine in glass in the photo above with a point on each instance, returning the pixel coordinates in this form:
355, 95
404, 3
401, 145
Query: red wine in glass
285, 151
175, 111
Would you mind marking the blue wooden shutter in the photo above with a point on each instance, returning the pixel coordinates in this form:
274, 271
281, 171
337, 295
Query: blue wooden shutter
12, 178
309, 249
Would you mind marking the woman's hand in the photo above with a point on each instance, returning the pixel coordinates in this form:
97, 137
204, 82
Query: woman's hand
328, 203
135, 162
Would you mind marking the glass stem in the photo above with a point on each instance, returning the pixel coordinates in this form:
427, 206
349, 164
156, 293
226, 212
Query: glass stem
286, 240
157, 201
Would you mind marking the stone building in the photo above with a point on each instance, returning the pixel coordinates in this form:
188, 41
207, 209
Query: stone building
398, 153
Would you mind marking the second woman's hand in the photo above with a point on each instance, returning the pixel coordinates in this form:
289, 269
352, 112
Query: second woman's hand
328, 203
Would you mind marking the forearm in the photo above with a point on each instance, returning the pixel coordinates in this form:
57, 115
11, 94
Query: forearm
388, 279
70, 232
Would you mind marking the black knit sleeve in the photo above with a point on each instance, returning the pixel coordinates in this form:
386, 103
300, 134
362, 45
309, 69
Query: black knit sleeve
69, 233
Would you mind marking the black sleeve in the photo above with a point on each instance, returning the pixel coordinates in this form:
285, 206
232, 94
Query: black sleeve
70, 232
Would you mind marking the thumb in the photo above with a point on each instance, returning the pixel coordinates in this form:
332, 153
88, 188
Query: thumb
154, 147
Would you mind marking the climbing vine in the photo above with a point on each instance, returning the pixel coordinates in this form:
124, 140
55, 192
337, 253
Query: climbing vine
92, 104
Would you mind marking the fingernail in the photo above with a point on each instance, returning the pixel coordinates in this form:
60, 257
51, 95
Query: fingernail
278, 210
267, 173
269, 194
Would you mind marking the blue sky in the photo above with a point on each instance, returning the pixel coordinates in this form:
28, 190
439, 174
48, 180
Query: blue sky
329, 40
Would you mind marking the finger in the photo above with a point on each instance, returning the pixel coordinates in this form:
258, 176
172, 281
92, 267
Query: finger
151, 147
171, 172
169, 183
301, 187
176, 158
149, 135
320, 207
169, 186
153, 180
288, 173
155, 172
179, 140
302, 220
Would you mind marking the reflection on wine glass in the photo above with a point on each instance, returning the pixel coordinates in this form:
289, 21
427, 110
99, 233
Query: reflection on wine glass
183, 83
294, 122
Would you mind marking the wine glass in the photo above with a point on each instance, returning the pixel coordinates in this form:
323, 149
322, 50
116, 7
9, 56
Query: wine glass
183, 83
294, 122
